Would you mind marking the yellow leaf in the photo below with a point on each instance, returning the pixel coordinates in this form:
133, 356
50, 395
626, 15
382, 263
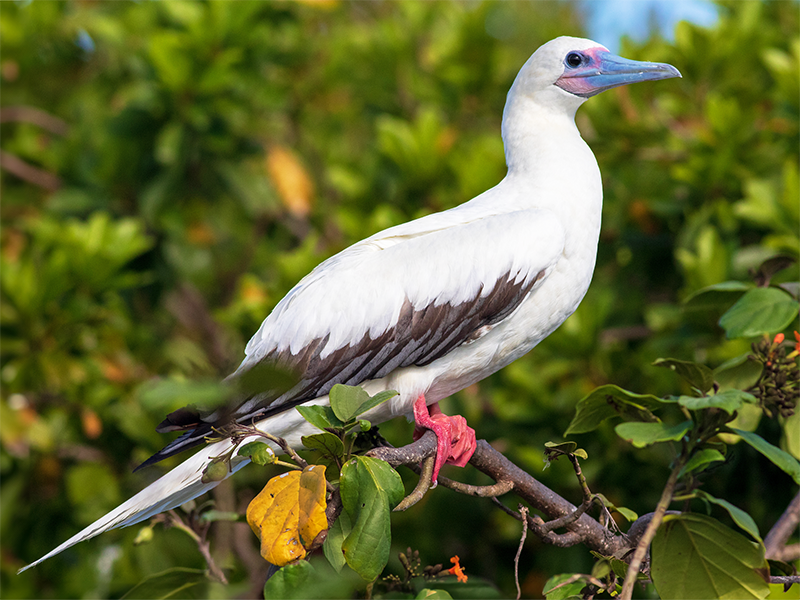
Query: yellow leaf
291, 180
289, 513
312, 504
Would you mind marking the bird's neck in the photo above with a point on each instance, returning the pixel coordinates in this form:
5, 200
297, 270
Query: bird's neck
540, 134
550, 165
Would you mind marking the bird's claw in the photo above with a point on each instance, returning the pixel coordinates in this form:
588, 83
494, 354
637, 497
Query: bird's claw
455, 443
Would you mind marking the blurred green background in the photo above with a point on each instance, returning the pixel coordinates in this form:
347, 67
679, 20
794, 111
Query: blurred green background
171, 169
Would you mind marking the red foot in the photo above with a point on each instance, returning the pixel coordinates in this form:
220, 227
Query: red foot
455, 439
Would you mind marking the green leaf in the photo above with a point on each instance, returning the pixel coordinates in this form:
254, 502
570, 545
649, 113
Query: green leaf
629, 514
738, 373
377, 399
601, 568
781, 459
332, 547
309, 580
346, 400
699, 376
290, 581
740, 517
644, 434
566, 592
259, 452
177, 582
701, 459
778, 567
694, 556
555, 449
625, 512
611, 401
791, 434
316, 415
730, 401
429, 593
327, 443
474, 588
759, 311
561, 447
370, 488
716, 295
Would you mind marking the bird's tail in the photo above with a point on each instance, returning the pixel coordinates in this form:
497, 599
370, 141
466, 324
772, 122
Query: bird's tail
181, 484
184, 482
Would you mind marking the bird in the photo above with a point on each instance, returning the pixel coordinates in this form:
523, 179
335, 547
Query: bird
431, 306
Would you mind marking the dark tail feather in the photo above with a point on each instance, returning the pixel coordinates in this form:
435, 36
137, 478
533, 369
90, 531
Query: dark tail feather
188, 440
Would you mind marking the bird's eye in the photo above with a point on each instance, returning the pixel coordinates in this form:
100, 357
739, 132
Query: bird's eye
574, 59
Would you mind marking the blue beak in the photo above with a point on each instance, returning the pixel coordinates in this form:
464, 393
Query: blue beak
606, 71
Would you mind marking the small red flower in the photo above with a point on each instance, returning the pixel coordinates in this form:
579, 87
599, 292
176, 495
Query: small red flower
796, 350
779, 338
457, 570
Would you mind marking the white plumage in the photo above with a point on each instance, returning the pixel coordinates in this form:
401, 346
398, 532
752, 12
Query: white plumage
493, 277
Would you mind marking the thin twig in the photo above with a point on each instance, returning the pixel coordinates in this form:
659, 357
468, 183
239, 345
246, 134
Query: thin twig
423, 485
535, 522
284, 445
523, 511
482, 491
202, 544
581, 527
649, 533
567, 519
587, 493
248, 430
30, 114
27, 172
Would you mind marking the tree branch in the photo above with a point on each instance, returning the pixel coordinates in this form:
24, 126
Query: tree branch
29, 114
171, 518
38, 177
581, 527
775, 541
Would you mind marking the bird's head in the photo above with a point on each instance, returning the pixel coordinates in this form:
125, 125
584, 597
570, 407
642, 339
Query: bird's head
569, 70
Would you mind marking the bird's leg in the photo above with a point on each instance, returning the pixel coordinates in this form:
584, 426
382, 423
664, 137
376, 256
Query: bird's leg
455, 439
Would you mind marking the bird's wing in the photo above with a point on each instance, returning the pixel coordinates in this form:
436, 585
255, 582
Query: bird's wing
406, 298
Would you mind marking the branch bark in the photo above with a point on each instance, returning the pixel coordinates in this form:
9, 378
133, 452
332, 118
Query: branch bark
581, 528
775, 542
39, 177
30, 114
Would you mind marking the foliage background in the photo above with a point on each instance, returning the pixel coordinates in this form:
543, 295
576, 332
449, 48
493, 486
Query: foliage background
210, 154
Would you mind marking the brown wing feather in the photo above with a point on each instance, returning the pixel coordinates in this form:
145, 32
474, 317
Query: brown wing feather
419, 337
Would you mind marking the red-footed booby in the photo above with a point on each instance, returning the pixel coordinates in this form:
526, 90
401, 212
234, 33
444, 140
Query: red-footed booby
432, 306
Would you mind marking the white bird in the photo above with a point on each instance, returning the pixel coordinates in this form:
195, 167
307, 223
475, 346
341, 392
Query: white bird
432, 306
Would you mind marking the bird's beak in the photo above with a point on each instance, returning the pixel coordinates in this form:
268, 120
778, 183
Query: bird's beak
607, 70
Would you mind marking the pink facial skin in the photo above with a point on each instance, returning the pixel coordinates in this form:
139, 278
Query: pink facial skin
579, 81
591, 71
